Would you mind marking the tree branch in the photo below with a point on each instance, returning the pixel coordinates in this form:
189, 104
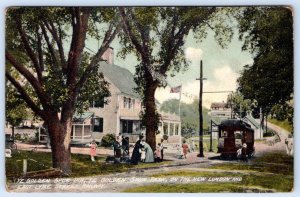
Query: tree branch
40, 50
127, 28
25, 96
28, 49
57, 37
50, 47
97, 57
77, 44
30, 78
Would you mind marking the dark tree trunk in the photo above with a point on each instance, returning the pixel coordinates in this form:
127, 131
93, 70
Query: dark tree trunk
60, 137
13, 132
151, 116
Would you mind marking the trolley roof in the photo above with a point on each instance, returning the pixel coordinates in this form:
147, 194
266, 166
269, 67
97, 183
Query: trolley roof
235, 124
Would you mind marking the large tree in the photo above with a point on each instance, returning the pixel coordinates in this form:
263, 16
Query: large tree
156, 36
267, 32
62, 75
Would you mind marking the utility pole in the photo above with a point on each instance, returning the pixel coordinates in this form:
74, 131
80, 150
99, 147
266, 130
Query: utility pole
200, 112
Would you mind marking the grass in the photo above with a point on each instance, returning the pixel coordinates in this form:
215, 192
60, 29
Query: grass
283, 124
277, 163
187, 188
266, 182
271, 172
81, 164
206, 143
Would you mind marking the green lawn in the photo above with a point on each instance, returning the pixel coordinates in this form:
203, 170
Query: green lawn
283, 124
206, 143
272, 172
81, 164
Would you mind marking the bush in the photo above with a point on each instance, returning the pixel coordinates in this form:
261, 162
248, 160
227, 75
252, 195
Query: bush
108, 140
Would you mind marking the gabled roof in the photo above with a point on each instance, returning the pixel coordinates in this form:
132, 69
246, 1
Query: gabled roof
120, 77
81, 117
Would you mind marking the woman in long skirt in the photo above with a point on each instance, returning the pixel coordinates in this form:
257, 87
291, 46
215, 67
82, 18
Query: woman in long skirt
136, 155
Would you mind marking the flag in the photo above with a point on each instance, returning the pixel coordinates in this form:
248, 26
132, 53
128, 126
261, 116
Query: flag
176, 89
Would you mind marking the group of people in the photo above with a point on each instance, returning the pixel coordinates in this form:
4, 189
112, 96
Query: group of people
142, 152
121, 148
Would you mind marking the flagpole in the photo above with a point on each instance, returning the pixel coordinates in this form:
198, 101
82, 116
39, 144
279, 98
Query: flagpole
179, 99
179, 132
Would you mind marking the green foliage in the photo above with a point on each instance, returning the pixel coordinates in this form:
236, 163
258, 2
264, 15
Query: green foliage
240, 105
48, 30
267, 32
283, 112
155, 35
189, 115
108, 140
16, 108
285, 124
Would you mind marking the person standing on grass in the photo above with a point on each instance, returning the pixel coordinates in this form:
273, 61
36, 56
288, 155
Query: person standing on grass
185, 149
149, 155
136, 155
93, 150
158, 155
125, 146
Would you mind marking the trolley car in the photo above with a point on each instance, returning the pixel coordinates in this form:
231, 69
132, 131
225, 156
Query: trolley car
232, 135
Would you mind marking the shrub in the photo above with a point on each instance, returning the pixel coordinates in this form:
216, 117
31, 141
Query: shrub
108, 140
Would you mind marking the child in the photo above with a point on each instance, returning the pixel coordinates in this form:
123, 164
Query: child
158, 155
185, 149
143, 154
93, 150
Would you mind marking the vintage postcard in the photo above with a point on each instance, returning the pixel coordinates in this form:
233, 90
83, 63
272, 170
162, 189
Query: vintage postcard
149, 99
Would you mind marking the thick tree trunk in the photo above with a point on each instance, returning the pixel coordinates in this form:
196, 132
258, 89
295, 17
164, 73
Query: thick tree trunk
60, 145
151, 119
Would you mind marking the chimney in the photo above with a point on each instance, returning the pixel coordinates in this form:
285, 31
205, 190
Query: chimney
108, 55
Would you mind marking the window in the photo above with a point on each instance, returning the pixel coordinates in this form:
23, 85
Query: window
127, 126
98, 102
98, 124
224, 133
128, 103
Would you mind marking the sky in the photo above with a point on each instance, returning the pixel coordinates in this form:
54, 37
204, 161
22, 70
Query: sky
221, 67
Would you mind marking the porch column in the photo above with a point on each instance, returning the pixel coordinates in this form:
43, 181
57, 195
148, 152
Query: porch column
168, 128
174, 127
82, 132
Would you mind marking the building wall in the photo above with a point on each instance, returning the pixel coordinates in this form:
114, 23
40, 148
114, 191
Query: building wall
109, 113
114, 111
132, 112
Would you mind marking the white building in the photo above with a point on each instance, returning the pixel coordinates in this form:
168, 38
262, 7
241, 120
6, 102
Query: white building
220, 110
122, 112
